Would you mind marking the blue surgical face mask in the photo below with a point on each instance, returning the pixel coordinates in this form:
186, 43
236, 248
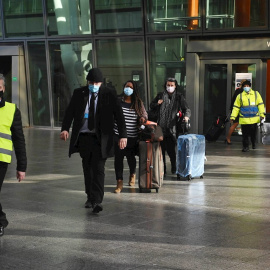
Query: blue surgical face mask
93, 88
128, 91
246, 88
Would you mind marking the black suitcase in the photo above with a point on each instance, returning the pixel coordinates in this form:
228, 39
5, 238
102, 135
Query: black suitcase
151, 167
216, 129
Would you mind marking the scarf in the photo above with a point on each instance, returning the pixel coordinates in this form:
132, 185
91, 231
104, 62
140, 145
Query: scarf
166, 110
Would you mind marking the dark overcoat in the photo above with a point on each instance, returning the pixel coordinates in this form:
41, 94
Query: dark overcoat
108, 110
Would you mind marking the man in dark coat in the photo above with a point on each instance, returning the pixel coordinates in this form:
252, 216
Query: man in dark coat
11, 133
93, 110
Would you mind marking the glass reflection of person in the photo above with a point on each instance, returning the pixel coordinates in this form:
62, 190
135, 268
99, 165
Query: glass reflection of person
236, 120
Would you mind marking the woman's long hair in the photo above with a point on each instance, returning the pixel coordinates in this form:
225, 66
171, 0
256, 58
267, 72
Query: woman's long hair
136, 102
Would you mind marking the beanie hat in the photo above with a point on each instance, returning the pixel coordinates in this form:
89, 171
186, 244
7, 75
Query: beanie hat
94, 75
246, 83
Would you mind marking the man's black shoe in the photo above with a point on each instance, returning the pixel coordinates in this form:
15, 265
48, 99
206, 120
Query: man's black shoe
245, 149
97, 207
253, 146
88, 204
1, 230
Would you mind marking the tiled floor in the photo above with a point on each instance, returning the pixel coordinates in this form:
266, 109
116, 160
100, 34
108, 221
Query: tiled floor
219, 222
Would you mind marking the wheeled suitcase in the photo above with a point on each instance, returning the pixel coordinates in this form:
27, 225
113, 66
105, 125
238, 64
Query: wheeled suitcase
190, 156
151, 167
216, 129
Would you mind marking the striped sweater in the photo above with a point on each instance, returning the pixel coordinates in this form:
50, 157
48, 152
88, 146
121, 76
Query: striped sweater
131, 120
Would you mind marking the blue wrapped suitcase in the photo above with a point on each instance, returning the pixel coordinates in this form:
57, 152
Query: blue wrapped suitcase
265, 130
190, 156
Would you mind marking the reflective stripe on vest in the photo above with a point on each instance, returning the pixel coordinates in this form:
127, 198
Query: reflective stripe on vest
249, 111
7, 115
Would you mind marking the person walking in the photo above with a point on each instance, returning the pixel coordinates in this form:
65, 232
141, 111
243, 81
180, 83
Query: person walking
11, 134
236, 121
135, 114
169, 104
249, 105
93, 110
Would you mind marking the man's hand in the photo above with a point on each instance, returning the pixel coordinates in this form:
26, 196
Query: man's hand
231, 121
20, 176
64, 135
122, 143
160, 101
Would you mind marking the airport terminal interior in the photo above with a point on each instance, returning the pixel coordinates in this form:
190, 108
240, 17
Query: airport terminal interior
220, 221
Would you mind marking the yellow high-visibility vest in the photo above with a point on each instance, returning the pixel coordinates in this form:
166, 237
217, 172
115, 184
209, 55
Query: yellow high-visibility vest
249, 106
6, 115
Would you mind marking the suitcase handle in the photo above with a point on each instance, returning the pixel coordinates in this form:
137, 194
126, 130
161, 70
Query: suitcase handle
149, 164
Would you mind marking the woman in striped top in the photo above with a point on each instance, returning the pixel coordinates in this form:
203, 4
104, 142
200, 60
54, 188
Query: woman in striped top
135, 114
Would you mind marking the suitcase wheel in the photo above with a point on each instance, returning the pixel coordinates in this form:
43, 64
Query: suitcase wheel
201, 177
156, 190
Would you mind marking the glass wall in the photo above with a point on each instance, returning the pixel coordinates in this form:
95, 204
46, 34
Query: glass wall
121, 60
70, 63
230, 14
215, 93
118, 16
23, 18
173, 15
167, 59
39, 84
1, 24
68, 17
6, 70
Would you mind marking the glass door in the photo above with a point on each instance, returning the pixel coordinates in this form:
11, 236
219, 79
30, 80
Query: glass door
217, 86
13, 68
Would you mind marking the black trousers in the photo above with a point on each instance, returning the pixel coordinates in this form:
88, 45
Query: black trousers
3, 170
129, 152
168, 145
249, 131
93, 167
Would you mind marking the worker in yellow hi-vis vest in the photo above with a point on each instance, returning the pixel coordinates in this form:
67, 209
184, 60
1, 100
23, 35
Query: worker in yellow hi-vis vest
249, 105
11, 134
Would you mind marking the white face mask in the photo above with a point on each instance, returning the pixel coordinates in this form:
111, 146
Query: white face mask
170, 89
